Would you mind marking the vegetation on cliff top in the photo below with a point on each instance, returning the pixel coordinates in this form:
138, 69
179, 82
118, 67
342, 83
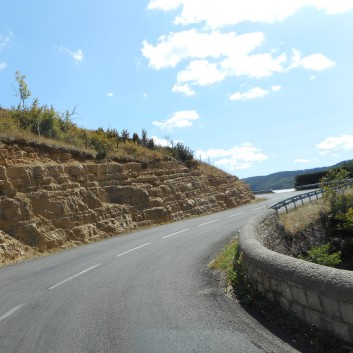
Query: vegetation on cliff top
35, 123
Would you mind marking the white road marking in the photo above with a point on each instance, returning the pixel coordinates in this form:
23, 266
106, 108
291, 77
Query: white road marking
258, 208
203, 224
236, 214
170, 235
76, 275
126, 252
10, 312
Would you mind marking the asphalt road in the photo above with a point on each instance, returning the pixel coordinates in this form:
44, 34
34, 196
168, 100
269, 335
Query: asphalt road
149, 291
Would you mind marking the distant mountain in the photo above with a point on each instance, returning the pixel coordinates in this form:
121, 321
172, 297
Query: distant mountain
282, 180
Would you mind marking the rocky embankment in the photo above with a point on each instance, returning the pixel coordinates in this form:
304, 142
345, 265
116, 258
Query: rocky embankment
52, 199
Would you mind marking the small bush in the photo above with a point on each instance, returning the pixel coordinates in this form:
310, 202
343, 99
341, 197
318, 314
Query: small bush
321, 255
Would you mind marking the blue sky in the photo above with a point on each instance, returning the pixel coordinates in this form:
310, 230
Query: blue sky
252, 87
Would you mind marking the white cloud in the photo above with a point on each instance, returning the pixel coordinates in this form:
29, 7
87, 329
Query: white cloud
185, 89
276, 88
76, 55
165, 5
333, 145
231, 56
161, 142
192, 44
235, 158
110, 94
316, 62
253, 93
165, 142
179, 119
302, 160
216, 14
257, 65
212, 56
3, 66
198, 73
5, 39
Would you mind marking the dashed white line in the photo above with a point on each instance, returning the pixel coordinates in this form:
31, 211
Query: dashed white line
76, 275
236, 214
126, 252
9, 313
203, 224
170, 235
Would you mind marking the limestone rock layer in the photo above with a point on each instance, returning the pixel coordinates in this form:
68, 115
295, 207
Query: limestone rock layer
50, 198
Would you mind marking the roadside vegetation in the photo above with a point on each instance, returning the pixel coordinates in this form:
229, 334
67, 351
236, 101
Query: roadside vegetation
300, 334
316, 177
335, 211
42, 124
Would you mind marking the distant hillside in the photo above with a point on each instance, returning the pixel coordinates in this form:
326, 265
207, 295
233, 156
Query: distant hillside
282, 180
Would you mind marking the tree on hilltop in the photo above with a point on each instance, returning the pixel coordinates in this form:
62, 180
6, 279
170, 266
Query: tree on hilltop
23, 92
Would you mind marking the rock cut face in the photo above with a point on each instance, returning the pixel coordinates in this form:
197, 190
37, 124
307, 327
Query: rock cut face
51, 199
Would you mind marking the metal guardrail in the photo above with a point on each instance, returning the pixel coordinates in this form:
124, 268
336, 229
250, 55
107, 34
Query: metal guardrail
302, 197
294, 199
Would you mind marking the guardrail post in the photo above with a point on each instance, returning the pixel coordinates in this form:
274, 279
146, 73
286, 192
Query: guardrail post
301, 199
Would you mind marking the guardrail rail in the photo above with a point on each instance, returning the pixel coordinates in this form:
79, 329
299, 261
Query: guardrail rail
277, 206
308, 195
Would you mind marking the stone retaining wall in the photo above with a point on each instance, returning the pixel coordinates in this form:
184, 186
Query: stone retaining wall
320, 295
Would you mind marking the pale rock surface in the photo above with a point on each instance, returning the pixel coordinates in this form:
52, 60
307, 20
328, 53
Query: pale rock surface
50, 199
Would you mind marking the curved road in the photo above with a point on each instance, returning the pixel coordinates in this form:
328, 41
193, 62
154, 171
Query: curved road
149, 291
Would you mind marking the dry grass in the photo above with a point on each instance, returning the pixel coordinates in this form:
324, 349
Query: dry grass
211, 170
130, 150
22, 137
297, 219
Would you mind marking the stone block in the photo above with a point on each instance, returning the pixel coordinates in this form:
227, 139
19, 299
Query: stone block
286, 291
312, 316
275, 285
266, 281
346, 310
3, 175
313, 300
298, 310
330, 306
342, 330
299, 295
284, 303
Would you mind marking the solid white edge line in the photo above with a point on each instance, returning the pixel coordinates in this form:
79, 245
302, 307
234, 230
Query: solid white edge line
170, 235
10, 313
126, 252
236, 214
203, 224
258, 208
76, 275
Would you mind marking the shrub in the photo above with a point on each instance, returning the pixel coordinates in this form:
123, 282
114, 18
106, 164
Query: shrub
322, 255
335, 184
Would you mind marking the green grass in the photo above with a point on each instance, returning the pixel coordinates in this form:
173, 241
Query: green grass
224, 260
300, 333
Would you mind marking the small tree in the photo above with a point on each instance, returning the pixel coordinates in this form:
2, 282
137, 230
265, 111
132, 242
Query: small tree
150, 144
144, 138
23, 92
125, 135
334, 183
135, 137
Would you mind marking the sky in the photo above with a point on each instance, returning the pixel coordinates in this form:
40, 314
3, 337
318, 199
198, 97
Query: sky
253, 87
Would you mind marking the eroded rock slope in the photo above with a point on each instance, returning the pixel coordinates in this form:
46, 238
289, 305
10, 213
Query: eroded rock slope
50, 198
